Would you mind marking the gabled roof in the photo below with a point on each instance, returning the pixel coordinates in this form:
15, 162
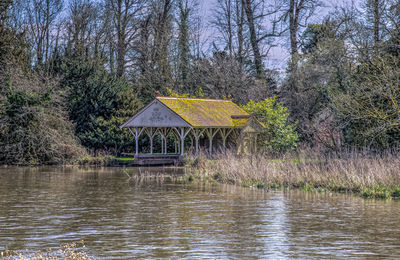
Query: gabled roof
155, 114
191, 112
200, 112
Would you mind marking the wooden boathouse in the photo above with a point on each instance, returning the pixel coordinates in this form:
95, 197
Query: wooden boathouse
211, 124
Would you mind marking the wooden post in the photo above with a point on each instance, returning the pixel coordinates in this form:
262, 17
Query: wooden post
136, 134
165, 145
196, 140
151, 133
182, 140
224, 134
182, 133
137, 140
197, 133
211, 132
164, 132
151, 144
162, 143
136, 143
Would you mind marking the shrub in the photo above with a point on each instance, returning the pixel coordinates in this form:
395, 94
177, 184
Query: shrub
34, 128
279, 136
98, 104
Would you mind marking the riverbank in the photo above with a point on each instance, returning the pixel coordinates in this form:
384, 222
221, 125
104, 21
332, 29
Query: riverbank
363, 175
369, 176
87, 160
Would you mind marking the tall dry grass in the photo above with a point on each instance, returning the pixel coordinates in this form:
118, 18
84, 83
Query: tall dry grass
368, 175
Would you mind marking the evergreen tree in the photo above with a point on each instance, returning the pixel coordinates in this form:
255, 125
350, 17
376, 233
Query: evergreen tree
97, 100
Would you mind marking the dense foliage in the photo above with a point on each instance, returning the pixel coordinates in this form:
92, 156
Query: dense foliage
344, 96
279, 135
72, 71
98, 104
369, 107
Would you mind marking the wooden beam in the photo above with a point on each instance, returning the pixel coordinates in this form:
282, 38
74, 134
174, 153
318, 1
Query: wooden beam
136, 134
168, 130
225, 132
211, 132
197, 133
162, 144
182, 132
151, 132
164, 131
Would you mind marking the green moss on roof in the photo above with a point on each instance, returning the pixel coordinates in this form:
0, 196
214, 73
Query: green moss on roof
240, 122
206, 112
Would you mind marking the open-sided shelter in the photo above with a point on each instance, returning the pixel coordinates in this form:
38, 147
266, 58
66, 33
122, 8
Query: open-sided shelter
198, 117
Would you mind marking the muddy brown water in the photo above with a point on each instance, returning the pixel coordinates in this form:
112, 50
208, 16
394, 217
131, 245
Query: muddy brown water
120, 217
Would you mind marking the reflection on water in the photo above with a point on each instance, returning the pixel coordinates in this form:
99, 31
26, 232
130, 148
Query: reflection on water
125, 217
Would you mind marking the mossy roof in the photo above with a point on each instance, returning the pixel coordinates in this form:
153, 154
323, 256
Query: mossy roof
200, 112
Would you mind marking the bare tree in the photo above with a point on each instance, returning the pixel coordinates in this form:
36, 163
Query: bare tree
125, 19
366, 26
248, 7
223, 21
392, 17
374, 12
162, 32
229, 20
296, 15
196, 36
81, 14
260, 35
240, 30
152, 48
42, 15
86, 26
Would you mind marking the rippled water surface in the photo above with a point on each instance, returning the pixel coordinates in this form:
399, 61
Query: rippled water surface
121, 217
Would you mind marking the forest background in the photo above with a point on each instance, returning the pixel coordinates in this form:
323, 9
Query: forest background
72, 71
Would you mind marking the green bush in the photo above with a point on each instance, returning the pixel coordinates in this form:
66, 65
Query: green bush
98, 104
278, 136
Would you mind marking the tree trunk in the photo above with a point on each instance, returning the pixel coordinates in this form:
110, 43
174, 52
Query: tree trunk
240, 22
377, 21
293, 27
183, 45
253, 37
229, 24
120, 59
111, 50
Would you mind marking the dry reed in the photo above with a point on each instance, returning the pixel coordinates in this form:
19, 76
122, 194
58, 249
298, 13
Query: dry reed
367, 175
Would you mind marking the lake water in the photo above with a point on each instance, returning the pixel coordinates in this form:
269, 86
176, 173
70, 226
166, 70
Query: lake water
133, 217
